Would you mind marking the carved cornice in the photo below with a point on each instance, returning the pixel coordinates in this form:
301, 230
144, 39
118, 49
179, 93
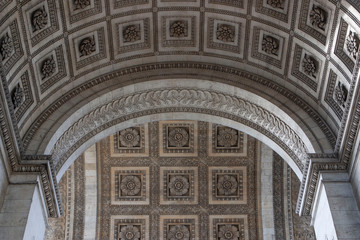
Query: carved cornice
19, 165
180, 100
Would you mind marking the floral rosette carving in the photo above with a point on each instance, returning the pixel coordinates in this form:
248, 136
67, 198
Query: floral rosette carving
129, 137
318, 17
178, 185
340, 94
309, 66
39, 19
179, 232
130, 185
178, 137
227, 137
229, 232
81, 4
17, 96
178, 29
6, 47
276, 3
132, 33
270, 45
227, 185
48, 67
225, 33
87, 46
130, 232
352, 44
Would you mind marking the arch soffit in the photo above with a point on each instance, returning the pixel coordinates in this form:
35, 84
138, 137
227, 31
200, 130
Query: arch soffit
195, 99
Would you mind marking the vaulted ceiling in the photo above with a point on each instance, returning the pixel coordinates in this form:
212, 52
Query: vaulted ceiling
303, 51
59, 56
179, 180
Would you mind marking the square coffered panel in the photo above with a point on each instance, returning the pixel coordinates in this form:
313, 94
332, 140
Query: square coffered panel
129, 227
227, 185
178, 32
130, 142
179, 185
130, 185
226, 141
178, 138
228, 227
224, 36
179, 227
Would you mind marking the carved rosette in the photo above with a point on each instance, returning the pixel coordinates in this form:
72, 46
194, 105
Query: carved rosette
132, 33
225, 33
227, 185
340, 94
318, 17
87, 46
276, 3
352, 44
309, 66
17, 96
6, 47
81, 4
130, 185
229, 232
130, 232
270, 45
179, 185
48, 67
178, 29
129, 138
227, 137
178, 137
179, 232
39, 19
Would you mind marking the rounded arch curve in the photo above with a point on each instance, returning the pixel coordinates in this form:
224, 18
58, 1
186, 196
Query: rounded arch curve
179, 99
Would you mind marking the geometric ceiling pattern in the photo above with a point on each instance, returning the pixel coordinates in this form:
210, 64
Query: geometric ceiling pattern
179, 180
56, 56
308, 47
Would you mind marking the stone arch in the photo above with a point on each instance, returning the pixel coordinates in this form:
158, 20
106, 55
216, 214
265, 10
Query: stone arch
179, 99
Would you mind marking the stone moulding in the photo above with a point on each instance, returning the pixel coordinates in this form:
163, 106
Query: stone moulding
180, 100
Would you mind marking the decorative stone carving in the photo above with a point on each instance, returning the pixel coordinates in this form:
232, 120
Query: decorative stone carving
180, 232
352, 44
229, 232
309, 66
178, 185
276, 3
129, 138
132, 33
6, 47
39, 19
340, 94
179, 29
130, 185
17, 96
81, 4
318, 17
227, 137
178, 137
130, 232
270, 45
227, 185
87, 46
48, 67
153, 100
225, 33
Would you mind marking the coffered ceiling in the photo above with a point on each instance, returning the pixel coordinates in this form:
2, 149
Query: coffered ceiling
179, 180
302, 51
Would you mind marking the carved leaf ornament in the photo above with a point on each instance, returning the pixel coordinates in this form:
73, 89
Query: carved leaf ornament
153, 100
